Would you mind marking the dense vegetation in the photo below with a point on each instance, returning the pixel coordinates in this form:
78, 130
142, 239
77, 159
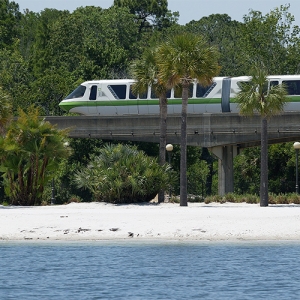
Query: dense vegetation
122, 174
44, 56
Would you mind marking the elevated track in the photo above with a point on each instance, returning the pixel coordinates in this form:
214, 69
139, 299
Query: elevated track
204, 130
224, 134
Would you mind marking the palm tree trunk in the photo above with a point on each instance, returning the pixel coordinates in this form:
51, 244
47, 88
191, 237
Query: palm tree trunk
163, 103
183, 147
264, 163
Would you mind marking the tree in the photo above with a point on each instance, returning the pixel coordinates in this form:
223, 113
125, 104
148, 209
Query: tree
247, 171
94, 43
146, 11
15, 76
9, 20
48, 90
225, 34
278, 41
5, 109
29, 155
42, 55
258, 96
181, 60
145, 72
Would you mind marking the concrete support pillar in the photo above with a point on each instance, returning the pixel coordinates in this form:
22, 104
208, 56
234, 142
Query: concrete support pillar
225, 155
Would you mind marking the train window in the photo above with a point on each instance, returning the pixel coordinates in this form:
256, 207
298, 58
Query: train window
77, 93
154, 96
93, 93
133, 96
202, 92
178, 91
143, 95
293, 86
274, 83
118, 90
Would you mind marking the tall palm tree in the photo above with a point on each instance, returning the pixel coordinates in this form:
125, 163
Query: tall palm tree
145, 72
181, 60
258, 96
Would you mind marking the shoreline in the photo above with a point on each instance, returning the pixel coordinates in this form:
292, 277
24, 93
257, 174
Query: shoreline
151, 223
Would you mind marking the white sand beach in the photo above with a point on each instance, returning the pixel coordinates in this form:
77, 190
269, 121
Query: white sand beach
165, 221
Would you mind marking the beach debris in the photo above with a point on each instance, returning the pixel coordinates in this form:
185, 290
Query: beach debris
130, 234
114, 229
83, 230
66, 231
199, 229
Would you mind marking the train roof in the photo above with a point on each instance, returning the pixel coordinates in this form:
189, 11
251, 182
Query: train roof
272, 77
122, 81
109, 81
242, 78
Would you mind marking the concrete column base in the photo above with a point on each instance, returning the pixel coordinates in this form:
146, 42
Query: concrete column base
225, 155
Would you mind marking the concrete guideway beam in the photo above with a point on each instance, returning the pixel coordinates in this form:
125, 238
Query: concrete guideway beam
225, 156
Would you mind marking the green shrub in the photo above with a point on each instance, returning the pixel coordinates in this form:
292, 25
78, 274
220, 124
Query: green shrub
251, 199
230, 197
74, 199
213, 198
294, 198
122, 174
193, 198
282, 199
254, 199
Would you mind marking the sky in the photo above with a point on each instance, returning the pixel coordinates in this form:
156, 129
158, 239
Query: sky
188, 9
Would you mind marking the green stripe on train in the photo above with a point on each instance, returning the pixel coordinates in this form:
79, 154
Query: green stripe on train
72, 104
91, 103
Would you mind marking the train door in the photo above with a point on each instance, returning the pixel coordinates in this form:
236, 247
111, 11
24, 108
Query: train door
143, 102
92, 102
225, 96
177, 101
133, 102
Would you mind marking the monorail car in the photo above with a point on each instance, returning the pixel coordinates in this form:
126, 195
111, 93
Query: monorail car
115, 97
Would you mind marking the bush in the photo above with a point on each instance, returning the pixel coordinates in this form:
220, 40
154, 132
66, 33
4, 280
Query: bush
294, 198
230, 197
251, 199
122, 174
214, 198
193, 198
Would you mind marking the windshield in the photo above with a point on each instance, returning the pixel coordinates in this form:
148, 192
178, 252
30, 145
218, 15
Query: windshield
77, 93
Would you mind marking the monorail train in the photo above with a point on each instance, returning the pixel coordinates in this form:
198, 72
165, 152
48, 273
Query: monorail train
115, 97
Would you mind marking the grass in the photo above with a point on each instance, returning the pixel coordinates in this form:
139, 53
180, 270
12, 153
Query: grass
248, 198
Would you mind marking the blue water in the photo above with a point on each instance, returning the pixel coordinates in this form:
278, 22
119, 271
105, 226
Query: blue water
102, 270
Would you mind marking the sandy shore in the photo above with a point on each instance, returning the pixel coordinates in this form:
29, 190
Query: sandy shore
166, 221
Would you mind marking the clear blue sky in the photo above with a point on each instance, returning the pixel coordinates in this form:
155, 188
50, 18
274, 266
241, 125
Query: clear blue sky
188, 9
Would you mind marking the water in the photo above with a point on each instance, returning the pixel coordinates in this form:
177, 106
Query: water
174, 270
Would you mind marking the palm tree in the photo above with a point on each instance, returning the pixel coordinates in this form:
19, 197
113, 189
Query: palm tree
258, 96
30, 151
181, 60
145, 73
